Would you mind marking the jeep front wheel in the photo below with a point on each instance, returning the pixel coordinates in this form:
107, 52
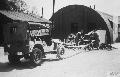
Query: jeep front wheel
61, 53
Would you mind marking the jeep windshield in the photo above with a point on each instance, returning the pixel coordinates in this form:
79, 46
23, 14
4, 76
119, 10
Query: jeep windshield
38, 30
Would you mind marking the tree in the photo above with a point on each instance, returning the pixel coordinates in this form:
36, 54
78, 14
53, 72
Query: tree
16, 5
4, 5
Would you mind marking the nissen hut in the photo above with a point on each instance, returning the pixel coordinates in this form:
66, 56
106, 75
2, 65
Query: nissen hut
74, 18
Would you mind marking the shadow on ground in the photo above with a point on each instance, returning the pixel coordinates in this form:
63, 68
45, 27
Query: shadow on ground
50, 60
6, 67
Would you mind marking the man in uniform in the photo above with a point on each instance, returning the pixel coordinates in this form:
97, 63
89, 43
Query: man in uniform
95, 39
79, 38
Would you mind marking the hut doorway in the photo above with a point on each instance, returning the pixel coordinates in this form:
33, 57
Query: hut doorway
74, 27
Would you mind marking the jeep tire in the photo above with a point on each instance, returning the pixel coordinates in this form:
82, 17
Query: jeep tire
36, 56
13, 59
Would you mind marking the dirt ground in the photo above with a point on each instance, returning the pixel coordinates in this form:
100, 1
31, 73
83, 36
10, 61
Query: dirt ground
96, 63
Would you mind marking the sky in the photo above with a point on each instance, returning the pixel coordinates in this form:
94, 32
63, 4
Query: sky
111, 7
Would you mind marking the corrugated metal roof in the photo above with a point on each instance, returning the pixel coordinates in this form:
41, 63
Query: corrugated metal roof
14, 15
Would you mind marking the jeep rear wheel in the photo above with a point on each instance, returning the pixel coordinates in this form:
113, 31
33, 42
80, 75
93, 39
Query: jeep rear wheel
13, 59
36, 56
